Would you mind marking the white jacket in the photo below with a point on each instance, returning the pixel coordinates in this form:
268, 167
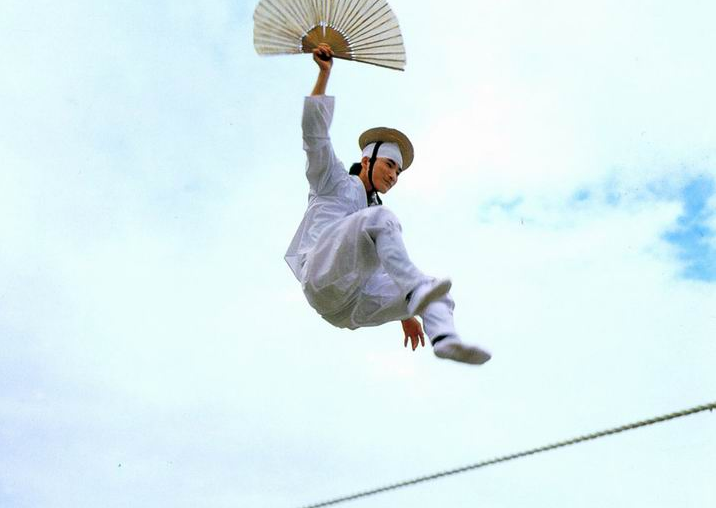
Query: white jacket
333, 194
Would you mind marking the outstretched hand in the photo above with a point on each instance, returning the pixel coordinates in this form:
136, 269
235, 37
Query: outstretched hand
414, 331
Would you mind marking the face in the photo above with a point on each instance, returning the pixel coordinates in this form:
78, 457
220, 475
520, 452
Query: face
385, 173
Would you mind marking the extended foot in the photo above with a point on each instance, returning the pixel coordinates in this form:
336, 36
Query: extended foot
426, 293
452, 348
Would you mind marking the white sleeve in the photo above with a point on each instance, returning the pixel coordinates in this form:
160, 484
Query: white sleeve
323, 169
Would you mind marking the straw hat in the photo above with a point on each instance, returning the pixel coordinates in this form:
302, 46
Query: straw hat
387, 135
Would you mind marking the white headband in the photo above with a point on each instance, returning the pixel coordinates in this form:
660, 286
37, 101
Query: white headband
387, 150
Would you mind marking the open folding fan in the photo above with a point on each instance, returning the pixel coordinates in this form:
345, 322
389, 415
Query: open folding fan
361, 30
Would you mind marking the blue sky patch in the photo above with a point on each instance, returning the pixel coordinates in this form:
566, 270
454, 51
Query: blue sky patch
582, 195
692, 236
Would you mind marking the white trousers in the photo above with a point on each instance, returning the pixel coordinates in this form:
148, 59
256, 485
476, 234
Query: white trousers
359, 274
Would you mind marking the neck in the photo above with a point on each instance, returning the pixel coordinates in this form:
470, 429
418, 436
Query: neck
366, 182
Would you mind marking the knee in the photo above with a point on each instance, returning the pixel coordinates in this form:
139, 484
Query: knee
382, 218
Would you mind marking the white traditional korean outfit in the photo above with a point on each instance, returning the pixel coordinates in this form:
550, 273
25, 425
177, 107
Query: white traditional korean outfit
348, 256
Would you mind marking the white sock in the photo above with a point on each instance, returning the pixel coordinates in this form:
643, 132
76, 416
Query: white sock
452, 348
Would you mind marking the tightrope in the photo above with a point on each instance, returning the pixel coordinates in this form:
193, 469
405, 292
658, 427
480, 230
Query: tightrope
533, 451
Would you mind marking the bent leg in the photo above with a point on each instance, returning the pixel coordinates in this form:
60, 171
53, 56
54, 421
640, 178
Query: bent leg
383, 227
349, 251
381, 301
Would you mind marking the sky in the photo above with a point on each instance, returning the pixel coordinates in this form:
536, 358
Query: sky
155, 349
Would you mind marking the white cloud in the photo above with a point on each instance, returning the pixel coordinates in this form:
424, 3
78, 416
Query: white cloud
150, 188
546, 97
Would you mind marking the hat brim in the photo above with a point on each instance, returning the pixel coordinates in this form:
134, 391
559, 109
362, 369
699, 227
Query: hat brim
387, 135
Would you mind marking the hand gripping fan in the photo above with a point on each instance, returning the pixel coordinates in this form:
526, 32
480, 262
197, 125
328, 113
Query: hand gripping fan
362, 30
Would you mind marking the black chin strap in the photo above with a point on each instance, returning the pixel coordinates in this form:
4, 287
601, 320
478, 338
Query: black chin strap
373, 158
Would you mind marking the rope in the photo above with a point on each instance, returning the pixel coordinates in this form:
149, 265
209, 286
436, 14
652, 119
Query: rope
505, 458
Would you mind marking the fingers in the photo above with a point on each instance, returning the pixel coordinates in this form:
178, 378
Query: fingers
414, 332
323, 51
413, 341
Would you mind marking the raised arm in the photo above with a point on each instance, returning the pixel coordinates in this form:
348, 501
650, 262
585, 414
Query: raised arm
323, 169
323, 56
